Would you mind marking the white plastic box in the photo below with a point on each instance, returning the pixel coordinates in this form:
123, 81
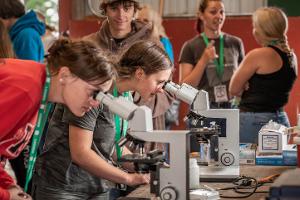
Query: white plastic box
272, 138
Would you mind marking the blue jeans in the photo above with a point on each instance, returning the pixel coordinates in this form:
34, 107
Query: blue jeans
114, 193
51, 193
251, 123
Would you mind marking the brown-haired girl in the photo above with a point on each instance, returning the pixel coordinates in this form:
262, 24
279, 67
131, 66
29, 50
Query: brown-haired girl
75, 71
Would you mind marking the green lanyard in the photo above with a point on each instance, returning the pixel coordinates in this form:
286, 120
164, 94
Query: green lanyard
220, 64
38, 131
120, 132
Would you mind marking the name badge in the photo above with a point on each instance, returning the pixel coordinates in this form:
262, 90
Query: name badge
220, 93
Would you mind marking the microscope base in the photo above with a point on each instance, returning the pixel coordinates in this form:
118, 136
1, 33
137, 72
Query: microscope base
219, 173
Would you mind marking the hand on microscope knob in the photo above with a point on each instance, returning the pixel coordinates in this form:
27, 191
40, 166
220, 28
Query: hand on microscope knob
138, 179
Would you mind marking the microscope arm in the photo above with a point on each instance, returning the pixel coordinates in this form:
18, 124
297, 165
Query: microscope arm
139, 117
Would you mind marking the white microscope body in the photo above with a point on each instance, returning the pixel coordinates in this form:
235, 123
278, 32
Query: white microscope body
227, 167
173, 181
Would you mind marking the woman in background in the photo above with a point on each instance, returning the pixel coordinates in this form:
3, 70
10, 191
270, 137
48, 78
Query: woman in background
147, 14
209, 59
266, 75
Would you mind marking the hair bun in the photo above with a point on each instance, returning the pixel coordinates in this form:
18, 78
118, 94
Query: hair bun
58, 46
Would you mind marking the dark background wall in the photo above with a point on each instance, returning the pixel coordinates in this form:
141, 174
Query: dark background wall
291, 7
180, 30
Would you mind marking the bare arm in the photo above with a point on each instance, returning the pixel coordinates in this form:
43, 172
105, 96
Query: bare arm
80, 146
245, 71
127, 165
296, 63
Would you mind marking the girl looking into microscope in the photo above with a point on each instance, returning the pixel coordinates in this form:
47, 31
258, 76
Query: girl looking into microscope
28, 88
76, 161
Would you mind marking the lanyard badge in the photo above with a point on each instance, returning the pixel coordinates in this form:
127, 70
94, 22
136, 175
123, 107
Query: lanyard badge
219, 64
43, 113
220, 91
121, 124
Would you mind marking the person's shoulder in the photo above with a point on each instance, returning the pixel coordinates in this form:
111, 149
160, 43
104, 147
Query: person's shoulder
264, 51
24, 75
194, 39
28, 70
192, 42
29, 33
90, 37
145, 30
260, 53
18, 64
232, 38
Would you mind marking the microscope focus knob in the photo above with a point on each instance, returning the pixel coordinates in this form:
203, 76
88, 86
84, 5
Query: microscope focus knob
168, 193
227, 159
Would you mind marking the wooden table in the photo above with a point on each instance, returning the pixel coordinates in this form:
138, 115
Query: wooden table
257, 172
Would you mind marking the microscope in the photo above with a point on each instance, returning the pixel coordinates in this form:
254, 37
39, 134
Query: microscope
168, 183
215, 129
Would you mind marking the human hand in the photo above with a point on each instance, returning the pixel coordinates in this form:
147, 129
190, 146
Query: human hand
138, 179
17, 193
210, 51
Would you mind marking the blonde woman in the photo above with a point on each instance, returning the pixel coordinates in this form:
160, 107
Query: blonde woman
147, 14
266, 75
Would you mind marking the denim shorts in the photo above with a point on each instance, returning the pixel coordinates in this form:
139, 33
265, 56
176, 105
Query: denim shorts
251, 123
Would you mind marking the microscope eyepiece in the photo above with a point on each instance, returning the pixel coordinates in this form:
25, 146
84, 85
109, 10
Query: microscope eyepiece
163, 87
95, 93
